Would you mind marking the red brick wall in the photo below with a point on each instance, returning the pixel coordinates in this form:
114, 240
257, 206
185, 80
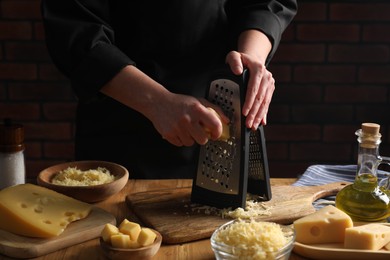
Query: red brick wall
32, 91
332, 73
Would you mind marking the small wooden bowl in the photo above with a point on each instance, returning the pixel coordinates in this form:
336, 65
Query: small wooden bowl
146, 252
90, 194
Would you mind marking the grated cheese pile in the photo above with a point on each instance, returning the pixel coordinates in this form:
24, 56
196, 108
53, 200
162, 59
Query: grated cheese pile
253, 240
75, 177
252, 209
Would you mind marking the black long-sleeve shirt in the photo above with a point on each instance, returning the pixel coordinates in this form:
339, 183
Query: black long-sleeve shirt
176, 42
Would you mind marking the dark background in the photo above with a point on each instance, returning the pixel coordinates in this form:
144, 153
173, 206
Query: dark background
332, 73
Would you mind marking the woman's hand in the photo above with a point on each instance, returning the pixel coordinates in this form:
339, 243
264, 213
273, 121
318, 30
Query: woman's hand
253, 49
184, 120
180, 119
261, 86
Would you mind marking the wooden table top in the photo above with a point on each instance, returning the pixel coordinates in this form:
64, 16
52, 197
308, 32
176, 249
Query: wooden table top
116, 205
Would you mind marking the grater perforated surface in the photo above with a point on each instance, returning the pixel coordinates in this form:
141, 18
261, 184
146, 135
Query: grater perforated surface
256, 169
221, 159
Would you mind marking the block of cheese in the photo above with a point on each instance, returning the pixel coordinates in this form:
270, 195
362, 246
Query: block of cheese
225, 128
372, 236
108, 231
120, 241
130, 228
146, 237
225, 133
326, 225
35, 211
133, 244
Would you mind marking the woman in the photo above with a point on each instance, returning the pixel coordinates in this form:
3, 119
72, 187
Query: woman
140, 70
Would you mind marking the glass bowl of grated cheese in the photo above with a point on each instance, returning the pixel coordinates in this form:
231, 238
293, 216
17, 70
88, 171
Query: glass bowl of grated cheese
251, 239
88, 181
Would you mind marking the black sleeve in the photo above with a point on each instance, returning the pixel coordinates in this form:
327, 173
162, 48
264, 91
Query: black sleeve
271, 17
81, 43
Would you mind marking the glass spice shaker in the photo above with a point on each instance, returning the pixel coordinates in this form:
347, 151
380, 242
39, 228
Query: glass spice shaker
365, 199
12, 166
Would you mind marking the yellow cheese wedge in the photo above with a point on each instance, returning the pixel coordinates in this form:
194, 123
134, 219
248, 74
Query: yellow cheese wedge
130, 228
326, 225
108, 231
146, 237
372, 236
387, 247
35, 211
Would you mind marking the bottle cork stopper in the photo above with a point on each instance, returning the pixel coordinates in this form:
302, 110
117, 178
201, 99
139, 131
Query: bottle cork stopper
370, 136
370, 128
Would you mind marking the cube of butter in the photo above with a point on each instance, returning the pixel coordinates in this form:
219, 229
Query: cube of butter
130, 228
146, 237
372, 236
120, 241
108, 231
326, 225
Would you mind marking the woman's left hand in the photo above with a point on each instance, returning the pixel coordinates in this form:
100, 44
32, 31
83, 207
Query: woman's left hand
261, 86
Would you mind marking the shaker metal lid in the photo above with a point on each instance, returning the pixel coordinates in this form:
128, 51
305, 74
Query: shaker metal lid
11, 136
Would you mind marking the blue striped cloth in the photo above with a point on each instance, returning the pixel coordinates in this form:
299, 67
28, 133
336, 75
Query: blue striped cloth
324, 174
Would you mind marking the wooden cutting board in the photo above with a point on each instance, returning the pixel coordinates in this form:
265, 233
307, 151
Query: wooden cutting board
77, 232
171, 212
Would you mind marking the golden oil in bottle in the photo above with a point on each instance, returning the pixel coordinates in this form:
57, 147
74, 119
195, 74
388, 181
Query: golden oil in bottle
365, 200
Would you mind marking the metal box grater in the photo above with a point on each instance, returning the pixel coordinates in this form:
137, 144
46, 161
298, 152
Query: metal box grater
227, 170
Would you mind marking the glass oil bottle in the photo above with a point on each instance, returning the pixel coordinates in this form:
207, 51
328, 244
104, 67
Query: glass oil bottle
365, 200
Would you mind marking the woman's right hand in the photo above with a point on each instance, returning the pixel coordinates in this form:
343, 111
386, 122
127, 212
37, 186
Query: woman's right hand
184, 120
180, 119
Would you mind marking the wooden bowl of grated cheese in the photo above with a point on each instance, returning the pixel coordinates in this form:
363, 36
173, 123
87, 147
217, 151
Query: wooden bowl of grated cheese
88, 181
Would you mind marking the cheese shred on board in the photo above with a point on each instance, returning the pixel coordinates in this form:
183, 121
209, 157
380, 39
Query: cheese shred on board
253, 240
253, 208
76, 177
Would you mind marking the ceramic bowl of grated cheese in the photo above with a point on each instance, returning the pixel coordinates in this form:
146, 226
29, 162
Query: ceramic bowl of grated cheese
251, 239
88, 181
